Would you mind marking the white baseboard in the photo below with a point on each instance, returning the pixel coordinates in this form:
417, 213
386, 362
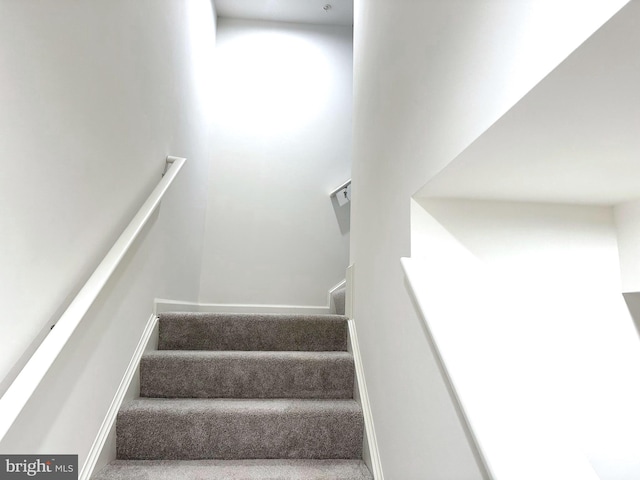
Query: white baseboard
371, 452
163, 305
110, 418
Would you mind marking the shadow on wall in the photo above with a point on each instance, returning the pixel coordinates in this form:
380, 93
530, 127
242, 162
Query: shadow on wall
632, 300
343, 215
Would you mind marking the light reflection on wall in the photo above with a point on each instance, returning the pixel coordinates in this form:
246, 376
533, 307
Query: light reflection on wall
269, 82
202, 39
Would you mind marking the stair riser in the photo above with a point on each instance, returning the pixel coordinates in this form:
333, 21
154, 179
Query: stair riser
184, 435
259, 376
252, 332
236, 470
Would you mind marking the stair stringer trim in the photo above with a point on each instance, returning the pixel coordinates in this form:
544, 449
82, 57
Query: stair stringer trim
163, 305
109, 422
370, 450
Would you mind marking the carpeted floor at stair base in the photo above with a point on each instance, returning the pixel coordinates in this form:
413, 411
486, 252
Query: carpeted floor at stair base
243, 396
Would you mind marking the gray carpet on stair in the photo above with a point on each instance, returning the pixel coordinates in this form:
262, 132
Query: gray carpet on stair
236, 470
266, 332
233, 374
243, 397
339, 300
182, 429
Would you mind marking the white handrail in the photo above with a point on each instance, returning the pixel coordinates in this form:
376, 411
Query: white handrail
335, 191
20, 391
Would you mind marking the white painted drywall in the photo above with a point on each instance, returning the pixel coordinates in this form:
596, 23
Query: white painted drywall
531, 293
94, 96
429, 78
281, 143
572, 139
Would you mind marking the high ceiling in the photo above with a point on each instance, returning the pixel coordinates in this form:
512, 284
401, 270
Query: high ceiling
323, 12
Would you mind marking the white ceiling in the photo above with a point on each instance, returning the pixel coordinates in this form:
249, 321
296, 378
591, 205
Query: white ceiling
298, 11
575, 138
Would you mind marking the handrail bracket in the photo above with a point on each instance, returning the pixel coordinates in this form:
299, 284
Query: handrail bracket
168, 162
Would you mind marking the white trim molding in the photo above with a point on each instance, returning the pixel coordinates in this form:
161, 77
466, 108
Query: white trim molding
371, 452
110, 418
163, 305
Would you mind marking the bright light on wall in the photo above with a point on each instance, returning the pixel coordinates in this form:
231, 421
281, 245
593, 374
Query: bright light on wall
270, 82
202, 40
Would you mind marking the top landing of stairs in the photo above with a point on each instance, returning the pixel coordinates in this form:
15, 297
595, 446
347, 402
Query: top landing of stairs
258, 332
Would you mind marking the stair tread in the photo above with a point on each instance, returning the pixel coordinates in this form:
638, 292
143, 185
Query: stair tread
265, 316
258, 354
264, 332
191, 429
240, 374
180, 406
235, 470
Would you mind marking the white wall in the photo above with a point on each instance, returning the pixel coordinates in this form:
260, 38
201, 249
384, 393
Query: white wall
429, 78
282, 139
531, 293
566, 141
94, 96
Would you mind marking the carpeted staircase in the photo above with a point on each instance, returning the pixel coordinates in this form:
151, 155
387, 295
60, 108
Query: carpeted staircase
243, 396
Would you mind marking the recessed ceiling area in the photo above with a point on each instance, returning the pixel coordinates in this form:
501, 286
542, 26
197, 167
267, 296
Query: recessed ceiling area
574, 138
321, 12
